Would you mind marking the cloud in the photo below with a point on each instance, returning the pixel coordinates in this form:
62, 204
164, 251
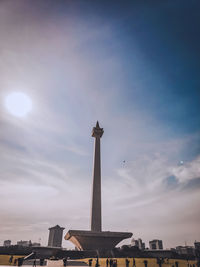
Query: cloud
188, 170
148, 195
192, 184
73, 79
170, 182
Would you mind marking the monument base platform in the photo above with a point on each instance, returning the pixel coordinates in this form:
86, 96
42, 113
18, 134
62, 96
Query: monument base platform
90, 240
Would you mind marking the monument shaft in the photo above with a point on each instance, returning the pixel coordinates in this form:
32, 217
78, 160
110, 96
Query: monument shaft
96, 193
96, 189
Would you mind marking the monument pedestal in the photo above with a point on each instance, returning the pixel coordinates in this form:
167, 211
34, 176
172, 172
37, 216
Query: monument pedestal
90, 240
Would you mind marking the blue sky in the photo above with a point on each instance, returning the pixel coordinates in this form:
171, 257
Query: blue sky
134, 66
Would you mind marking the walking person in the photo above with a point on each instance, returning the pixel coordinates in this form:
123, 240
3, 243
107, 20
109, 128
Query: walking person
90, 262
11, 259
145, 263
64, 262
127, 262
97, 262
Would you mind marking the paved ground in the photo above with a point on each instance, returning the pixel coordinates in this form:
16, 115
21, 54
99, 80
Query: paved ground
59, 263
53, 263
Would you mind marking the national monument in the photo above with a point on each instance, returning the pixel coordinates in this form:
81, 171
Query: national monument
96, 239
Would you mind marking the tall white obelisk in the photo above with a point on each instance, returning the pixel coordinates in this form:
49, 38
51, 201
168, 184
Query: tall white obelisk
97, 133
96, 239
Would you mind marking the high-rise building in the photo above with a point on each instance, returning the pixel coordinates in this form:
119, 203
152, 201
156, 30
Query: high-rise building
155, 244
55, 236
138, 243
7, 243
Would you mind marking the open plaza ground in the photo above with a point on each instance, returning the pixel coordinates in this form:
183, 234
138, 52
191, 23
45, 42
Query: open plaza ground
121, 262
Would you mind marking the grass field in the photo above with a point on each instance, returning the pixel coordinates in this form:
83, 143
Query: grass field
140, 262
4, 260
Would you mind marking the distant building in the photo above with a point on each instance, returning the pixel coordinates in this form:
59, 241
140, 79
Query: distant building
138, 243
24, 243
197, 245
35, 244
7, 243
55, 236
197, 249
155, 244
185, 250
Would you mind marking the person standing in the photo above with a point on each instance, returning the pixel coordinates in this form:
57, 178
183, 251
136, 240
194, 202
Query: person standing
41, 262
20, 261
115, 263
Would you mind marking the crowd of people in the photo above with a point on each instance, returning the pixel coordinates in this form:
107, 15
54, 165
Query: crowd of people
110, 262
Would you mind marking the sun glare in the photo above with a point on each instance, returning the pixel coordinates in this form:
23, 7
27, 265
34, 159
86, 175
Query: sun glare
18, 104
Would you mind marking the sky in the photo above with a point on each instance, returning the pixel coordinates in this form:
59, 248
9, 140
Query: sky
132, 65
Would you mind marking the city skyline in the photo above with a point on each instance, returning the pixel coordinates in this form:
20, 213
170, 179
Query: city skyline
133, 67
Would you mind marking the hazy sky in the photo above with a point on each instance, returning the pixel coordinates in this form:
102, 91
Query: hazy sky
134, 66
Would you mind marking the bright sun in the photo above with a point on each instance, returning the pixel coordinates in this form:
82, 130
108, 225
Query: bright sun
18, 104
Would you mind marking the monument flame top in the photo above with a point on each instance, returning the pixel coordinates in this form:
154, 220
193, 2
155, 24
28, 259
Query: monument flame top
97, 132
